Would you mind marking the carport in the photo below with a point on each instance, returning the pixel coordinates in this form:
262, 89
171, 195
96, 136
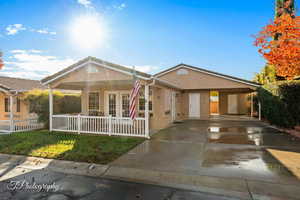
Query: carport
195, 101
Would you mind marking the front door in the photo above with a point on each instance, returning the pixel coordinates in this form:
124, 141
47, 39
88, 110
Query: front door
117, 104
173, 105
194, 105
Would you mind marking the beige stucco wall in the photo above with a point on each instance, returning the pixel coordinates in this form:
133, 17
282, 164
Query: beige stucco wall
199, 80
24, 109
87, 79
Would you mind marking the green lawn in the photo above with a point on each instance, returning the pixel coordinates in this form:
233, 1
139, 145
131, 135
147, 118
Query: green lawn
85, 148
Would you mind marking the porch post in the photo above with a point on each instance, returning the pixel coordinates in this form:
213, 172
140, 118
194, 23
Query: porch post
251, 104
50, 109
147, 111
259, 110
11, 113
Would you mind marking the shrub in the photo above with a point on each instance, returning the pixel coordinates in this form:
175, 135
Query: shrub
281, 103
62, 103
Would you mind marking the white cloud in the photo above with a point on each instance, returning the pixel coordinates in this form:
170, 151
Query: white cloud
45, 31
120, 6
85, 3
14, 29
33, 64
22, 74
147, 68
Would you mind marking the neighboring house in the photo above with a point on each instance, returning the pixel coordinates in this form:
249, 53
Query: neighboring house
179, 93
14, 111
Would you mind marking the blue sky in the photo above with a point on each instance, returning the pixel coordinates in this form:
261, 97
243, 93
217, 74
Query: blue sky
35, 35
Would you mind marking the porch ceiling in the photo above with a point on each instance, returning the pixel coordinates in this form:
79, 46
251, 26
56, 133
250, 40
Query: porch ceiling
112, 84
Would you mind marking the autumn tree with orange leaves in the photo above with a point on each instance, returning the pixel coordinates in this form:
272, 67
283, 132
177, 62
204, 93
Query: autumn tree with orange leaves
1, 61
279, 43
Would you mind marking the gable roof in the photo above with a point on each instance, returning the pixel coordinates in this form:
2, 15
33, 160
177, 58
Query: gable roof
19, 84
96, 61
232, 78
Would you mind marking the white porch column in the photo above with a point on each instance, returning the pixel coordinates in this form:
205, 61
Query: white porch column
259, 110
50, 109
11, 113
252, 108
147, 111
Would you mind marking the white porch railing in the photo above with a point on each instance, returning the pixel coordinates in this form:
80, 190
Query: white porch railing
20, 125
5, 126
27, 125
99, 125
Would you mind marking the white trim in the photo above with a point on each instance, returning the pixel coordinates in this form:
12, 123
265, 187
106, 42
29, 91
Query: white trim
199, 70
50, 109
92, 62
11, 113
147, 111
3, 90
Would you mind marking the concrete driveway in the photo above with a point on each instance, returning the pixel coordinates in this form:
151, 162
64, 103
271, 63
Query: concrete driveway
246, 150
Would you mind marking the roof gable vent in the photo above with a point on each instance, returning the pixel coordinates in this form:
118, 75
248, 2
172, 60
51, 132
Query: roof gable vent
182, 72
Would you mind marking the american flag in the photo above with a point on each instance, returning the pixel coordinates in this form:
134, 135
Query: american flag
133, 98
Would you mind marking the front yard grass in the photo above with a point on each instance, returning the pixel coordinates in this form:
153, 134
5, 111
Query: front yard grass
64, 146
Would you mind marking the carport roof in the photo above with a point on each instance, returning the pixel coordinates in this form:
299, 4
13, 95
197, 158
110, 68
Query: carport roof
208, 72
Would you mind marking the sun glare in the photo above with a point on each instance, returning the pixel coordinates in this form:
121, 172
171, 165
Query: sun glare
88, 31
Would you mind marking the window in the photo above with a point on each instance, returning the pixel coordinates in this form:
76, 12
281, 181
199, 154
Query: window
6, 105
94, 101
142, 101
125, 105
112, 105
18, 105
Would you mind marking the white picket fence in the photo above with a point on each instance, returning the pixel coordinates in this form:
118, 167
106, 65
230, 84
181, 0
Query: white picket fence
99, 125
20, 125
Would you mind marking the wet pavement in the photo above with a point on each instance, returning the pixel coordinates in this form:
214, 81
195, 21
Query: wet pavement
49, 185
192, 160
230, 149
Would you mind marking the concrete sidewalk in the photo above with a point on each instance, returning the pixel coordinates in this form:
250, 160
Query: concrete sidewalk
12, 166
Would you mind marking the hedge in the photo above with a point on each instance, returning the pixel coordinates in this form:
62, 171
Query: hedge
62, 103
281, 103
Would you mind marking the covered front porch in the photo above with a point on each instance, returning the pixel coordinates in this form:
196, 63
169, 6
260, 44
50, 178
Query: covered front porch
104, 108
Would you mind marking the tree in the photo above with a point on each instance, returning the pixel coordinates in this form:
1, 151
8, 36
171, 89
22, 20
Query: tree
266, 76
1, 61
285, 7
284, 51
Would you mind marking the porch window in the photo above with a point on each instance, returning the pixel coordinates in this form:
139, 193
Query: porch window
142, 100
6, 105
112, 105
18, 105
125, 105
94, 101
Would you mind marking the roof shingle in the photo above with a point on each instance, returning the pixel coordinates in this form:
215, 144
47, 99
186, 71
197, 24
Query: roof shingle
19, 84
